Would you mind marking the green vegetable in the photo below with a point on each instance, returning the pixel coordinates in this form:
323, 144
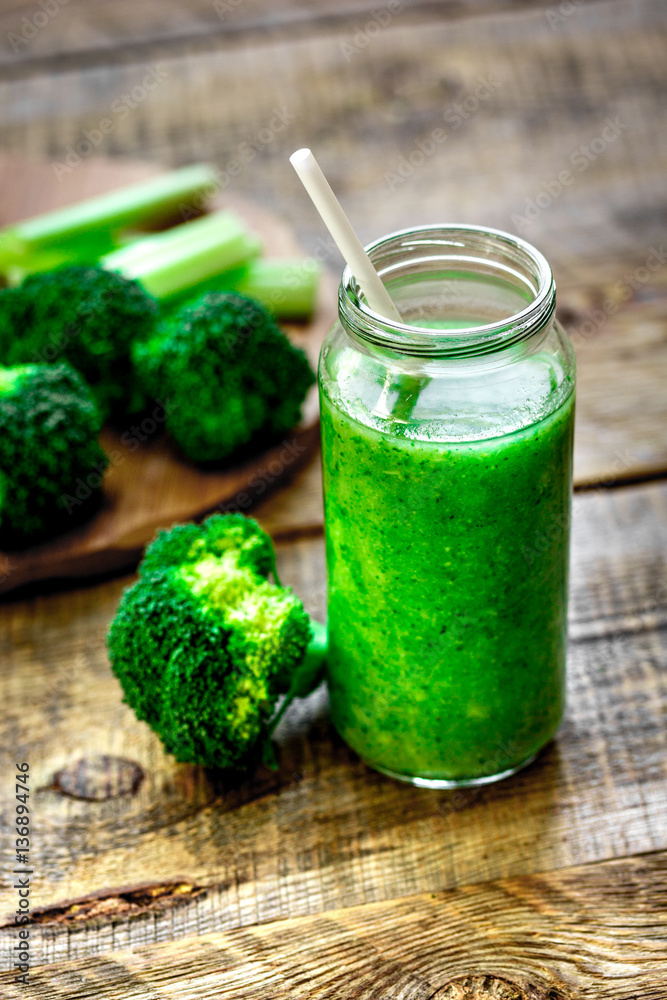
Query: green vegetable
82, 315
150, 200
90, 316
82, 251
51, 465
172, 262
203, 643
287, 287
232, 376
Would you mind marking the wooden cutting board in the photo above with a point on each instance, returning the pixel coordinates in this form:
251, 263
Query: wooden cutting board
149, 484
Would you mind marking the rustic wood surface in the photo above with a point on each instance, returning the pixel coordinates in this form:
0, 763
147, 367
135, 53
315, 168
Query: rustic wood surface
324, 832
149, 484
530, 934
324, 879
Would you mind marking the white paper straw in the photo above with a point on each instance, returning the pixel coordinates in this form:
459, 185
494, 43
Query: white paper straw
344, 236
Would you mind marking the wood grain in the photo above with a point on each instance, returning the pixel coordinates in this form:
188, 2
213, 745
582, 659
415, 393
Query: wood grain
594, 930
324, 832
112, 29
149, 484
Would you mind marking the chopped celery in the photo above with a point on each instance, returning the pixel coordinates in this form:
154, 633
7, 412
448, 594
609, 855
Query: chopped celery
86, 250
148, 200
168, 263
286, 286
171, 241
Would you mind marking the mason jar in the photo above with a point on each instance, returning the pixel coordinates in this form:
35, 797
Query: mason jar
447, 454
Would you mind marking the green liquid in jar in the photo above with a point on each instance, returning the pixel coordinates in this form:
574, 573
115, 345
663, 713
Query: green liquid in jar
447, 565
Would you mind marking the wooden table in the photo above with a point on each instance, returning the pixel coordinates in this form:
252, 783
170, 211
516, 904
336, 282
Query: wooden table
155, 880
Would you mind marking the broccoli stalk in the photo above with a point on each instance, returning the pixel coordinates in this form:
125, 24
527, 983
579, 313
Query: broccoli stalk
49, 454
88, 226
204, 643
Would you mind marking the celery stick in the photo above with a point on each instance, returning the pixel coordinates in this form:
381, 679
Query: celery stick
83, 251
288, 288
151, 199
171, 266
170, 241
45, 260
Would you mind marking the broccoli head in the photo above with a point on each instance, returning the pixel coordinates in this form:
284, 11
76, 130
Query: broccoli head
51, 464
233, 378
203, 643
85, 316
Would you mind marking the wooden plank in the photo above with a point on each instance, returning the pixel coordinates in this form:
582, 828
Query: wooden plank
363, 114
550, 92
621, 398
587, 931
108, 30
324, 832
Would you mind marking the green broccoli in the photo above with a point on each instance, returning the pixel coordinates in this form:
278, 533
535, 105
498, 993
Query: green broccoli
51, 465
85, 316
203, 643
232, 376
90, 315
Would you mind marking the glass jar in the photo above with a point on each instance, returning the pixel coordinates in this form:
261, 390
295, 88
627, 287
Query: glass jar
447, 451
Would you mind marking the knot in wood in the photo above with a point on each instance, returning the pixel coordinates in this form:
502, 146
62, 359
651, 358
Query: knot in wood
99, 777
482, 987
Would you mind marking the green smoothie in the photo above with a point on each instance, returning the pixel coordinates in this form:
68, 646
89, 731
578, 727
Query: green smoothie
447, 565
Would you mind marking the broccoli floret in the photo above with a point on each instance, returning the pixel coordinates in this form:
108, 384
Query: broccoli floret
85, 316
232, 377
203, 643
51, 464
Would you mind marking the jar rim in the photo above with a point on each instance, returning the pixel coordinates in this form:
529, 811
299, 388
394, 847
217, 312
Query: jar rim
510, 251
